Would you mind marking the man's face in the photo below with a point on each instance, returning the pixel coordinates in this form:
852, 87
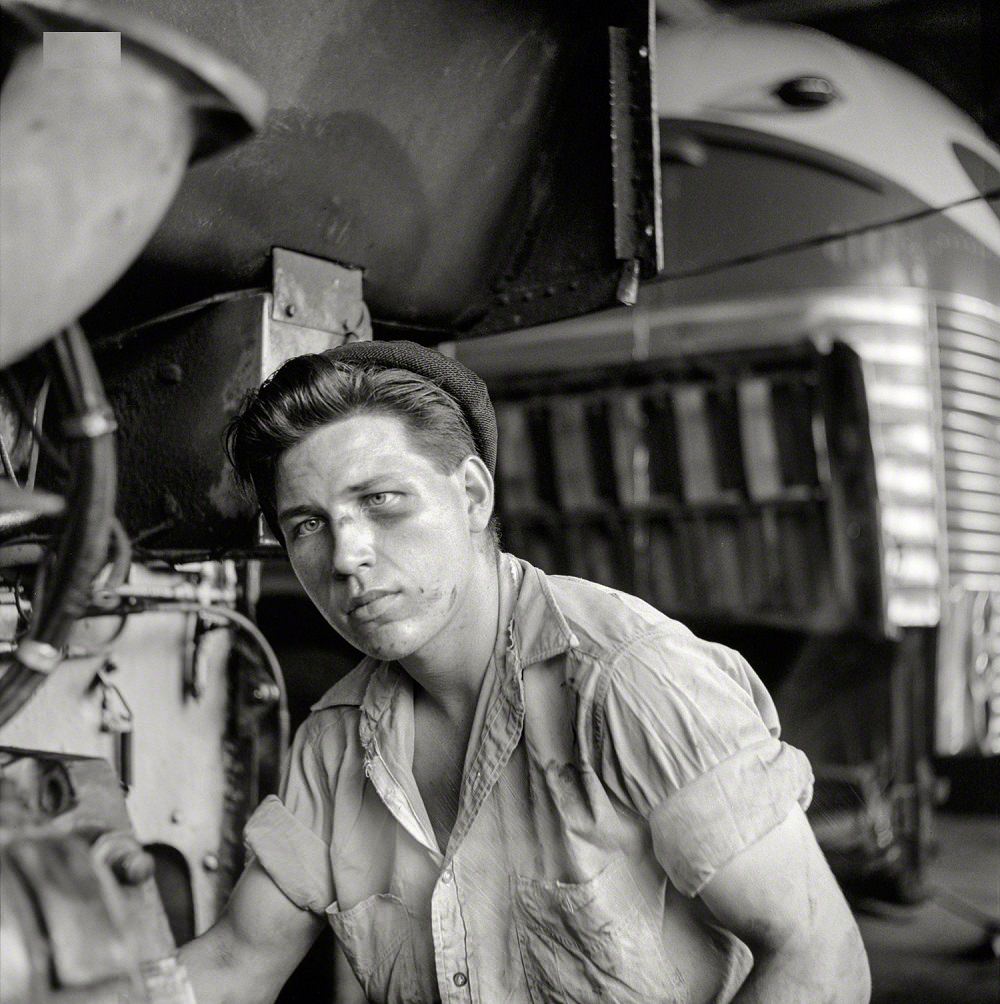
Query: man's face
380, 539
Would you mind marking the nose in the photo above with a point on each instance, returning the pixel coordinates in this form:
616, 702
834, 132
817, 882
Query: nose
353, 547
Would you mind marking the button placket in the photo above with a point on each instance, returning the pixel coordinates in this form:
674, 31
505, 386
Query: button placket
450, 937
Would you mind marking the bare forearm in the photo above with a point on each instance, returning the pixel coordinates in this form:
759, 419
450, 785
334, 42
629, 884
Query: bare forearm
217, 976
799, 975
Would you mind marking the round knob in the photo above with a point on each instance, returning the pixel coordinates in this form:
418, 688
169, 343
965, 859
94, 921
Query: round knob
130, 864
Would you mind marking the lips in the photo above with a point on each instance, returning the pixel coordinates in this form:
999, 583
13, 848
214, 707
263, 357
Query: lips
371, 604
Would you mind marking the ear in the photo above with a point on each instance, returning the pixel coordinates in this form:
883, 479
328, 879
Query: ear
478, 492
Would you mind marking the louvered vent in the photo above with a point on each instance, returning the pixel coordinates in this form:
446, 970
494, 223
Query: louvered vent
970, 401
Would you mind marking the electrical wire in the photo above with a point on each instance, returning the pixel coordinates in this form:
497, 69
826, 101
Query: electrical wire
37, 420
827, 238
86, 525
959, 907
245, 624
8, 464
121, 563
801, 245
21, 406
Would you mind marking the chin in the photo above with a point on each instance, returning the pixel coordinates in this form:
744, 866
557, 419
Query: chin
388, 645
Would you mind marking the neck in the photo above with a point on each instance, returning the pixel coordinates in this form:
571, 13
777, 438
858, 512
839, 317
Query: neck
449, 670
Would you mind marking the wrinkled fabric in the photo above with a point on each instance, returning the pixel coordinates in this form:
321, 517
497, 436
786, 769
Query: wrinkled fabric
617, 762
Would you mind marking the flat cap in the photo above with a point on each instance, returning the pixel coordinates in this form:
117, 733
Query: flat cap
466, 387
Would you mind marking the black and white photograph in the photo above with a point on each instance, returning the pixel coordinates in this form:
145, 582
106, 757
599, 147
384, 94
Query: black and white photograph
499, 502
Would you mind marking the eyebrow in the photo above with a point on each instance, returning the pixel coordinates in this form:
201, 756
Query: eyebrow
305, 509
296, 510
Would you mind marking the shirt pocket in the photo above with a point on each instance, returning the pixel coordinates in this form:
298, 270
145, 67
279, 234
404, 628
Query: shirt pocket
378, 941
592, 941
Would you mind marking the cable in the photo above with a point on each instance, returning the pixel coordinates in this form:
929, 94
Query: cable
245, 624
821, 239
21, 406
959, 907
756, 256
37, 419
121, 564
8, 464
82, 548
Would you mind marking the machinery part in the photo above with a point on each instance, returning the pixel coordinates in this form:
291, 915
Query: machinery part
176, 381
459, 150
269, 660
83, 543
321, 296
92, 150
80, 915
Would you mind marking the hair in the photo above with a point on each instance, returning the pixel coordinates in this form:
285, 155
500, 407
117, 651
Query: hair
311, 391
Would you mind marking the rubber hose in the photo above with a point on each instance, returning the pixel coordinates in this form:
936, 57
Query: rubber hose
83, 541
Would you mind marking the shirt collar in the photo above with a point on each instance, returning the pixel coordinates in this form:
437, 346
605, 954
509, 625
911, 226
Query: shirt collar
537, 631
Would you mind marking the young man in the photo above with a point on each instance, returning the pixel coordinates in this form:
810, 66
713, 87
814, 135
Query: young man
534, 788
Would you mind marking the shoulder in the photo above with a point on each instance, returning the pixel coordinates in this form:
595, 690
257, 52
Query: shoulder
333, 719
606, 622
630, 644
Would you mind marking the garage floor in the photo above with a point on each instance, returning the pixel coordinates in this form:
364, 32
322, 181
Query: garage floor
930, 954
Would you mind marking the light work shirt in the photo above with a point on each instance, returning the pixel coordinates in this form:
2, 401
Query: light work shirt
616, 763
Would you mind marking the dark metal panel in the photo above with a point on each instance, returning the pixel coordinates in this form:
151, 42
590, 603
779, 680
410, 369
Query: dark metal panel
460, 152
173, 386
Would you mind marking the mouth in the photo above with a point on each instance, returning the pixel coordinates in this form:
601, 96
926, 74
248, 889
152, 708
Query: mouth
370, 605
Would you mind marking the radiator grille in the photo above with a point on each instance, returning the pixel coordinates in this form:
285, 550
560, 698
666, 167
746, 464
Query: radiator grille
969, 347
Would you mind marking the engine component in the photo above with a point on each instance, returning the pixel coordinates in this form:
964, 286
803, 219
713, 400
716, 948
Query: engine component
175, 383
80, 917
94, 141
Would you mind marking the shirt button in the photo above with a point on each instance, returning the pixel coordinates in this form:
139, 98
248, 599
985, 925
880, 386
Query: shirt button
446, 878
460, 979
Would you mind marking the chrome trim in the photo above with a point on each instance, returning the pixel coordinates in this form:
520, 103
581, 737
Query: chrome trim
981, 564
972, 383
985, 542
974, 500
974, 425
971, 463
978, 404
984, 443
985, 522
967, 362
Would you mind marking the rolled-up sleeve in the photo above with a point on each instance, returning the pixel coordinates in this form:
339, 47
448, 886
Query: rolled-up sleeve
689, 739
289, 833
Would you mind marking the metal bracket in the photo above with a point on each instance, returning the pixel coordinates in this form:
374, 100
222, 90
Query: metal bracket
315, 293
634, 160
316, 305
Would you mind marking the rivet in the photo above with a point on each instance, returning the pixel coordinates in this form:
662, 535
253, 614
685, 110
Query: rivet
643, 51
289, 310
210, 862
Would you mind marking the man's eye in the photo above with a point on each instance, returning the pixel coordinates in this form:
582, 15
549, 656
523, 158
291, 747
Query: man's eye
378, 499
307, 526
